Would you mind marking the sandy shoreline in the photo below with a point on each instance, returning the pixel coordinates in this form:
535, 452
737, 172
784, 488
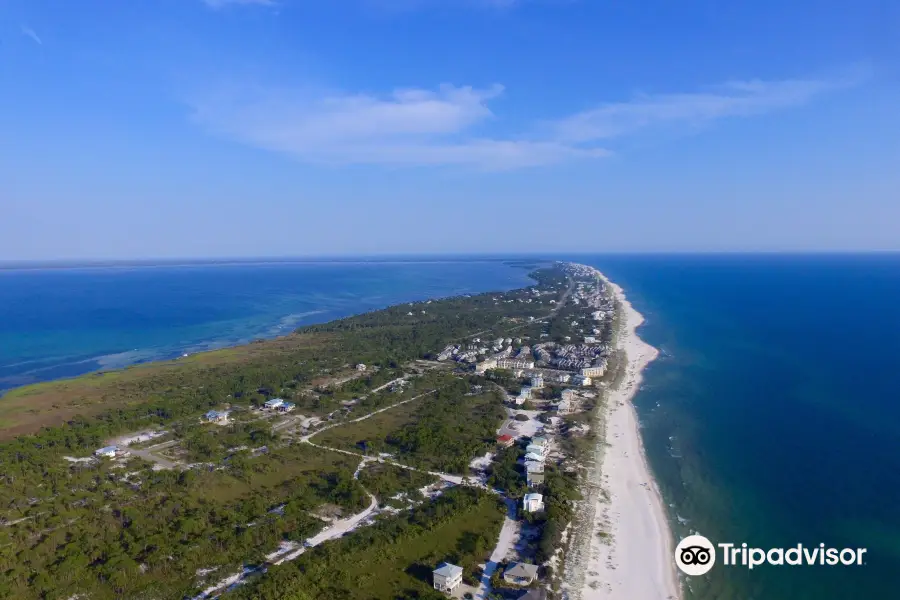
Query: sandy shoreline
634, 562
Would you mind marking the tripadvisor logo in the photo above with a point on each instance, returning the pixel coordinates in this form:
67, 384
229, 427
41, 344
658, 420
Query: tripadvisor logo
696, 555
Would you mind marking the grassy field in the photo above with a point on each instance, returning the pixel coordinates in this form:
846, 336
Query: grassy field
371, 431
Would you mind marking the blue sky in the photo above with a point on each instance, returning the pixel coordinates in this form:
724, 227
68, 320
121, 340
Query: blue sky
173, 128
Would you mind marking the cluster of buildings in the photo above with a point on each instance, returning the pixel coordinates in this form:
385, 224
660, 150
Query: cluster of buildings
589, 360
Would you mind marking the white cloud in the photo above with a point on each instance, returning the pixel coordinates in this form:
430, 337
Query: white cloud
734, 99
416, 127
224, 3
410, 127
29, 32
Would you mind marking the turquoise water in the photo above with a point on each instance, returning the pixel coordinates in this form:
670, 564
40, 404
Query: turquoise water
65, 322
773, 414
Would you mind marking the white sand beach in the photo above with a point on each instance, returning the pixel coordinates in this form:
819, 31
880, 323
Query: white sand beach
634, 562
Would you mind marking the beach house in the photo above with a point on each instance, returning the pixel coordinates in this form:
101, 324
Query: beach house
538, 446
506, 440
533, 503
107, 452
582, 380
273, 403
217, 417
447, 577
524, 395
534, 473
520, 573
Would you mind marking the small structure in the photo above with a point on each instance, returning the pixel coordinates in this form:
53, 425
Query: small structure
583, 380
533, 503
534, 473
447, 577
594, 371
535, 594
273, 403
506, 440
286, 407
216, 416
569, 395
538, 446
485, 365
565, 407
360, 367
537, 381
107, 452
520, 573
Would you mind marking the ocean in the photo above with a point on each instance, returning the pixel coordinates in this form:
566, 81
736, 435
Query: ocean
63, 322
772, 416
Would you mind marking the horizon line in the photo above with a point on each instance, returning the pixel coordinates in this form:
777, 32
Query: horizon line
405, 257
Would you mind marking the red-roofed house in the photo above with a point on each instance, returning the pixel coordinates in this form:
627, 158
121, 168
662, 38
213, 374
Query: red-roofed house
506, 440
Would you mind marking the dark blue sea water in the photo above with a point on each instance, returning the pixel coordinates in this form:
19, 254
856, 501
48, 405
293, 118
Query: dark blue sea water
773, 416
65, 322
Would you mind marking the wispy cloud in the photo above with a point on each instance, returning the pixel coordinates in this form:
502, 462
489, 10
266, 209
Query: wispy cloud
29, 32
409, 127
224, 3
733, 99
414, 127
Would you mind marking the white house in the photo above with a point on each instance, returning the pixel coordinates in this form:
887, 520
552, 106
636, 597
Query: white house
360, 367
447, 577
533, 503
273, 403
581, 380
107, 452
286, 407
216, 416
537, 382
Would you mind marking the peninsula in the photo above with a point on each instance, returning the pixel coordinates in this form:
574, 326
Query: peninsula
473, 447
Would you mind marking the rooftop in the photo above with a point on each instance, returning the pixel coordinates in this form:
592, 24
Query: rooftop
521, 569
447, 570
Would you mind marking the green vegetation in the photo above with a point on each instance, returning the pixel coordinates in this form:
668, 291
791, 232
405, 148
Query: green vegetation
111, 534
444, 431
395, 557
387, 481
506, 474
105, 529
